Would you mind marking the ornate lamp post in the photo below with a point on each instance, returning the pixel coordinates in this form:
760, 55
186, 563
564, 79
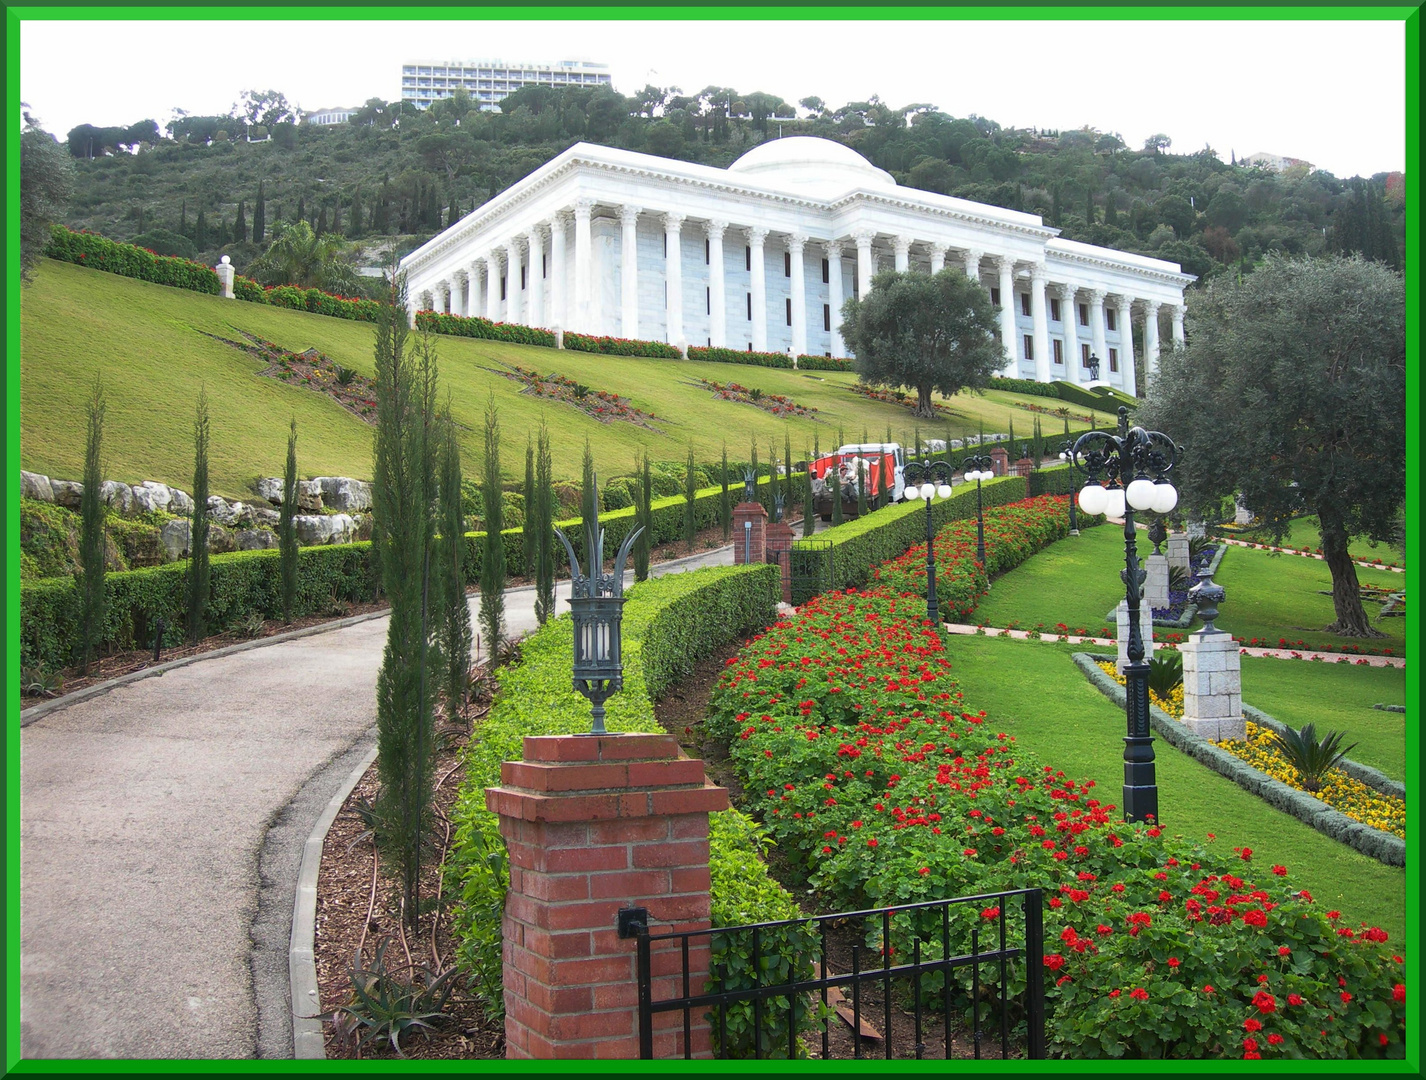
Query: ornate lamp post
1126, 460
977, 467
597, 603
937, 481
1066, 455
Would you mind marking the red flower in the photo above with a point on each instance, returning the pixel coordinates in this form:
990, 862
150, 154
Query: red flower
1114, 993
1283, 950
1398, 994
1139, 994
1294, 999
990, 913
1383, 1038
1251, 1024
1274, 1038
1054, 961
1346, 997
1250, 1045
1265, 1002
1173, 961
1280, 871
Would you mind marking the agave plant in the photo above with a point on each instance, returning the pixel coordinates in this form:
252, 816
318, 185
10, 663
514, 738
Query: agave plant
384, 1007
1179, 579
1310, 757
1196, 545
1165, 673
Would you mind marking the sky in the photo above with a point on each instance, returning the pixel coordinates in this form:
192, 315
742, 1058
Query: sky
1239, 86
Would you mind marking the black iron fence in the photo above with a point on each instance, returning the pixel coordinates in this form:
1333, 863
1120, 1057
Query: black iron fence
777, 993
811, 569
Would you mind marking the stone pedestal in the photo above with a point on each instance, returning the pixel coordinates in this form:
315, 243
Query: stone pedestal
1156, 581
999, 461
1213, 686
749, 533
778, 540
1197, 529
1177, 550
594, 824
1146, 630
225, 278
1024, 467
1241, 514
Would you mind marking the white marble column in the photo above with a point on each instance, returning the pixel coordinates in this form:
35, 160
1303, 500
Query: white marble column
834, 295
902, 246
717, 300
514, 309
1008, 332
1178, 313
583, 264
474, 298
756, 236
1040, 315
673, 275
973, 258
536, 313
796, 244
1096, 329
1070, 310
629, 270
457, 294
1125, 306
938, 258
866, 268
413, 305
1151, 342
494, 310
443, 297
559, 271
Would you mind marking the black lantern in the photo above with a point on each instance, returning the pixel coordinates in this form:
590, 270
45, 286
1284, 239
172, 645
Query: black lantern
1127, 460
597, 604
935, 478
977, 467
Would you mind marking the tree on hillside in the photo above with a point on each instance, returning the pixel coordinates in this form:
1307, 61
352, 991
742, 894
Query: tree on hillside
46, 184
1303, 365
492, 556
259, 216
240, 224
299, 256
198, 584
91, 531
287, 528
453, 621
925, 333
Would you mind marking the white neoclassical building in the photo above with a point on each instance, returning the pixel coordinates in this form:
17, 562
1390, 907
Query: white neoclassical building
762, 254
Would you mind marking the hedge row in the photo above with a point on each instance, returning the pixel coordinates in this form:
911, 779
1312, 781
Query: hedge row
666, 622
243, 583
1024, 386
476, 327
126, 260
615, 346
317, 302
806, 362
737, 356
1104, 398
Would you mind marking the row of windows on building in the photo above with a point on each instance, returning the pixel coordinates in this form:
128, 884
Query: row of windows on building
1057, 353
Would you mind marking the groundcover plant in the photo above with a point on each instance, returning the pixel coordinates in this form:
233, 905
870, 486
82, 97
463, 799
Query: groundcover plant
847, 728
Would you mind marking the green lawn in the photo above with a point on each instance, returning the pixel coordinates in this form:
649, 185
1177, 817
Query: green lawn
1074, 581
1034, 691
1336, 697
1306, 533
145, 340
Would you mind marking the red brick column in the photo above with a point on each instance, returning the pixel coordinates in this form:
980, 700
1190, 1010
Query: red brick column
748, 547
1024, 467
594, 824
778, 538
999, 461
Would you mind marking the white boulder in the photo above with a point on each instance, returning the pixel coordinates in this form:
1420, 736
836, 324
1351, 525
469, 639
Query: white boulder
35, 486
309, 495
119, 496
270, 488
176, 537
67, 493
324, 528
255, 539
344, 493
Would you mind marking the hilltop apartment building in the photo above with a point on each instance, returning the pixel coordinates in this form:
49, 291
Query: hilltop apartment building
488, 81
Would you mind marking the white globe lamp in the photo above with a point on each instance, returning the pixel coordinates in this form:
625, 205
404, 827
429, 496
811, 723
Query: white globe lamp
1093, 498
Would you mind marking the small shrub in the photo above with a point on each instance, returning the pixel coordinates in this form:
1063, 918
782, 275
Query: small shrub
1309, 756
1165, 672
384, 1007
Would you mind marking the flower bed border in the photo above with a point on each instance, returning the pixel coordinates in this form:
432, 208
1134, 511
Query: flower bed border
1312, 811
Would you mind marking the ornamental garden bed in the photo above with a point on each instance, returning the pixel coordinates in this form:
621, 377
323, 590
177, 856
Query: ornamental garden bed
602, 405
777, 404
311, 369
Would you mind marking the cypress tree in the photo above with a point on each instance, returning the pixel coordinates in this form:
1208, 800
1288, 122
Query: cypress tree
758, 496
1111, 214
587, 486
453, 624
183, 219
643, 515
861, 492
690, 490
545, 545
198, 577
301, 214
200, 231
354, 229
91, 531
836, 484
787, 465
453, 213
240, 224
492, 563
725, 499
287, 528
1089, 206
403, 496
809, 514
529, 529
337, 218
772, 481
321, 226
1010, 440
259, 216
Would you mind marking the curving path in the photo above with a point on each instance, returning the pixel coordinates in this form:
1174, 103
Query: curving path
161, 831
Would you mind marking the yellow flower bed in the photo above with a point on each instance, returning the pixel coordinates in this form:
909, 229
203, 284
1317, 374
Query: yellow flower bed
1348, 796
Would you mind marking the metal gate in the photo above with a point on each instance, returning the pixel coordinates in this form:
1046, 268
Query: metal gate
811, 569
937, 978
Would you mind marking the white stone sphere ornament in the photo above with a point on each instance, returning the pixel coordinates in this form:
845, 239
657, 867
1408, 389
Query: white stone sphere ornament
1093, 498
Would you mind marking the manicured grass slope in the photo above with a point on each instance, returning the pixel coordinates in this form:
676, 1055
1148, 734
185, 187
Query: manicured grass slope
1335, 697
1074, 581
76, 321
1034, 692
1306, 533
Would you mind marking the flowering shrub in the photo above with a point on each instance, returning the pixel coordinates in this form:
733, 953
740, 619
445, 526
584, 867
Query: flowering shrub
600, 404
892, 397
614, 346
1012, 534
777, 404
873, 773
734, 356
462, 326
249, 290
100, 253
340, 307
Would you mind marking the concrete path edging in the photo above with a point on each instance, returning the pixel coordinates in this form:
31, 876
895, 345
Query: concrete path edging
308, 1042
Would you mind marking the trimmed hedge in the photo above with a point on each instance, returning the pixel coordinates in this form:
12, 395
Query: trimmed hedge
126, 260
666, 621
737, 356
476, 327
1024, 386
614, 346
806, 362
243, 583
1106, 398
1310, 810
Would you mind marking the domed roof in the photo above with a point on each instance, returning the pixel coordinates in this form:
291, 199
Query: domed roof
810, 165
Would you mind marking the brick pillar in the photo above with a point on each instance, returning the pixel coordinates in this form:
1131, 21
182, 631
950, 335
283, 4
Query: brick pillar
1156, 581
594, 824
1177, 550
1024, 467
749, 543
1146, 631
1213, 686
999, 461
778, 538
